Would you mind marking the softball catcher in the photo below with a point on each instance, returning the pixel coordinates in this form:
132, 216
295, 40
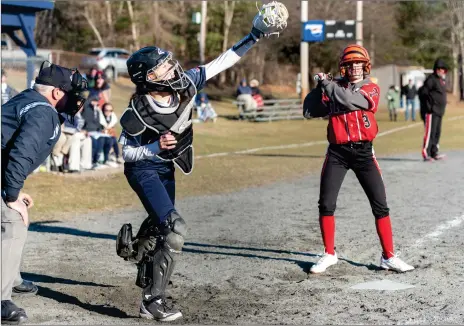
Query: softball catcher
157, 135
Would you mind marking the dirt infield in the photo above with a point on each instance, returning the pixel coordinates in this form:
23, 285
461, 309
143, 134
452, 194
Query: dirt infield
248, 253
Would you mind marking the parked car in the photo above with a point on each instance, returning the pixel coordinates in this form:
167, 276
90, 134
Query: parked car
111, 61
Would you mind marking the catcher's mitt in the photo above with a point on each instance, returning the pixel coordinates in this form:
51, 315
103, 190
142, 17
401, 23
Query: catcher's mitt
270, 19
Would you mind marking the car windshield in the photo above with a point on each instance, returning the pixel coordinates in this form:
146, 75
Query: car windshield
94, 52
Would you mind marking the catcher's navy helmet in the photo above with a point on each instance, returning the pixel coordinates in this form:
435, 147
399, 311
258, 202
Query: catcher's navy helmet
143, 65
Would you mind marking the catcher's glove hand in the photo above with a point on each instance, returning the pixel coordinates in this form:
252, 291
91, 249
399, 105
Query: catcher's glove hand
270, 19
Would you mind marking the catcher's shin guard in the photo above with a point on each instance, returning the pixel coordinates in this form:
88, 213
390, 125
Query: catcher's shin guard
155, 268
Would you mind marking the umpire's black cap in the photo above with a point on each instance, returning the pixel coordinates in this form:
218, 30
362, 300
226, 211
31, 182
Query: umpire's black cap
57, 76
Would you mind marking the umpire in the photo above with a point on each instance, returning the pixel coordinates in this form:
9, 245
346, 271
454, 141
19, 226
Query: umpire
31, 125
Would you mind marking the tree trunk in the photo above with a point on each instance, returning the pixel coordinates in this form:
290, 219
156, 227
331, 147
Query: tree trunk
155, 20
183, 47
262, 64
455, 50
460, 37
372, 48
92, 25
457, 19
461, 49
204, 9
109, 20
120, 8
135, 38
229, 8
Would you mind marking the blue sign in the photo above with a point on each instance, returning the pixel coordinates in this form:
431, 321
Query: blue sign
313, 31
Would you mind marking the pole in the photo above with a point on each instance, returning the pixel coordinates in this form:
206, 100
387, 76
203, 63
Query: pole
372, 49
359, 22
304, 55
204, 6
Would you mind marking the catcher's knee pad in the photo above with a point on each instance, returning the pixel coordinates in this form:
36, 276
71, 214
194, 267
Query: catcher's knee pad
176, 232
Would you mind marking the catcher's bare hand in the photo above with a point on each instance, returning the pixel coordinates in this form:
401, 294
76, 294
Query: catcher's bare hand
167, 141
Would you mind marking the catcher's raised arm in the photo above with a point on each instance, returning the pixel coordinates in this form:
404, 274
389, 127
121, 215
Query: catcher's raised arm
271, 19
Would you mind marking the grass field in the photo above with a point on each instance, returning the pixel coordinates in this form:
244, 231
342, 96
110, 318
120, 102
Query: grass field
63, 196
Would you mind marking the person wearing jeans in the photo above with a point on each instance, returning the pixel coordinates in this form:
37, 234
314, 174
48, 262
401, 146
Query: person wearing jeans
108, 120
410, 92
100, 141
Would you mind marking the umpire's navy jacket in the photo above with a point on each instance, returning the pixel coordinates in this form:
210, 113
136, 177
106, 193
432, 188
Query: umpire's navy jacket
31, 127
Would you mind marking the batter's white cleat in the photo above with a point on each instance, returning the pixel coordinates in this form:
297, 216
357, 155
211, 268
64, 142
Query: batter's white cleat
395, 264
439, 157
322, 264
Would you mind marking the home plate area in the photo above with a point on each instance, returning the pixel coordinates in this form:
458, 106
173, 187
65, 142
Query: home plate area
248, 253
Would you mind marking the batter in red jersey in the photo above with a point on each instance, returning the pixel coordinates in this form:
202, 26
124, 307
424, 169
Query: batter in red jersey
351, 103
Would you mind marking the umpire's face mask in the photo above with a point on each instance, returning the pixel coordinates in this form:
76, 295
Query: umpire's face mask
73, 101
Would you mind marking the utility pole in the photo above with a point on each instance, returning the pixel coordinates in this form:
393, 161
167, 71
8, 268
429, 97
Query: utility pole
359, 22
204, 6
304, 55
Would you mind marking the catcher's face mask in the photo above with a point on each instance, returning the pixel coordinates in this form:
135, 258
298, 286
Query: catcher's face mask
168, 73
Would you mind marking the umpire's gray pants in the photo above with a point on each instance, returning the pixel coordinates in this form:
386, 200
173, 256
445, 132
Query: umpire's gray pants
14, 234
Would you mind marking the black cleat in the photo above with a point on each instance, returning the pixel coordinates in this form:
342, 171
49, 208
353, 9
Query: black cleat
25, 288
11, 314
159, 310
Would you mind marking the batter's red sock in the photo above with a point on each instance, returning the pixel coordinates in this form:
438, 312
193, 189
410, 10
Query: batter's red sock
384, 230
327, 224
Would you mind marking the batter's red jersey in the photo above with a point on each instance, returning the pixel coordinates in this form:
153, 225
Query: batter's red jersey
353, 125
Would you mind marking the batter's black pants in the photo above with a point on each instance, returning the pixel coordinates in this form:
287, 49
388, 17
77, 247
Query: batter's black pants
432, 123
360, 158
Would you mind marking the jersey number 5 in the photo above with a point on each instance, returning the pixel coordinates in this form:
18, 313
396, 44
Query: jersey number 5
367, 123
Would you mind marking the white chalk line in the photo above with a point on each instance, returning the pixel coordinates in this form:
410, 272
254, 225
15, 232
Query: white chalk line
439, 230
309, 144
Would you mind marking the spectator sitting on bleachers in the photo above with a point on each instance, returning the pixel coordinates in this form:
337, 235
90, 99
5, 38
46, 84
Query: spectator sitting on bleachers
256, 93
108, 120
92, 77
101, 89
73, 151
7, 91
100, 141
205, 111
244, 96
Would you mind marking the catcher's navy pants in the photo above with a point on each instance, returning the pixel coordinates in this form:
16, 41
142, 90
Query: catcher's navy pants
155, 185
360, 158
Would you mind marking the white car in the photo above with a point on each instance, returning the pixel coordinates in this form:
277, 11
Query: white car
111, 61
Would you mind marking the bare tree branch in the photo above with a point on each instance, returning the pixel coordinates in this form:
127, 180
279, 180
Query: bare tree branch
229, 7
135, 38
92, 26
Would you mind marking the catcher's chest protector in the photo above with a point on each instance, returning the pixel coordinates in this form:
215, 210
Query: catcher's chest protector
146, 119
